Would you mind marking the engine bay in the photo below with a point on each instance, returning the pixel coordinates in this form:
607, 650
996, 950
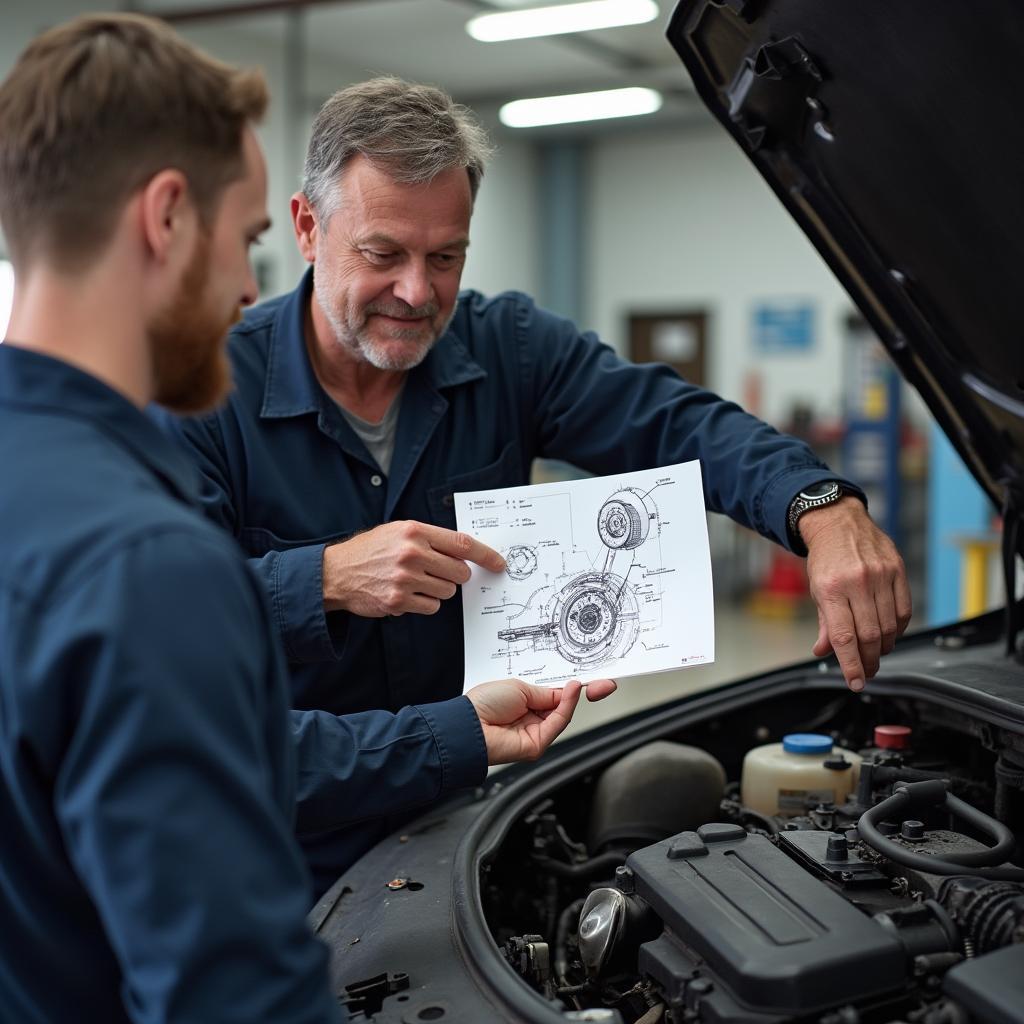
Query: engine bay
697, 878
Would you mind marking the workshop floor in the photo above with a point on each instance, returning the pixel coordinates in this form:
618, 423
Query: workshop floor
744, 644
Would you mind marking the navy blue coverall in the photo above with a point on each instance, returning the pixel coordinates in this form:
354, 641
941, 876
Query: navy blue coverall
507, 383
151, 774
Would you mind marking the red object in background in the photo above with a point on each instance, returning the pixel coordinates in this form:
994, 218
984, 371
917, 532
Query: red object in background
892, 737
787, 575
752, 385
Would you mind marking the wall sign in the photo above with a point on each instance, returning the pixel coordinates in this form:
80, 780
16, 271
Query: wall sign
783, 327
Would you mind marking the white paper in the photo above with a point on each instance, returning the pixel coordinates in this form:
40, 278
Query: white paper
605, 577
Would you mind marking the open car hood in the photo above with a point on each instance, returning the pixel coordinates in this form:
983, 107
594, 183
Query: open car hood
893, 134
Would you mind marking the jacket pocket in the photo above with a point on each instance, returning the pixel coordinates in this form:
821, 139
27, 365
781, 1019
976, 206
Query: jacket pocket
506, 471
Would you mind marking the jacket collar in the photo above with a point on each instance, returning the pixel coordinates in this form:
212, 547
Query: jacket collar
31, 380
291, 387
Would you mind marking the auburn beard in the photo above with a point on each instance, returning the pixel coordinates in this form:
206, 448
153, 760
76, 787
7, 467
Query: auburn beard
188, 343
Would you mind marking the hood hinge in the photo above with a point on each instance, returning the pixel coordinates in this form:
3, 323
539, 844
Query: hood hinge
773, 94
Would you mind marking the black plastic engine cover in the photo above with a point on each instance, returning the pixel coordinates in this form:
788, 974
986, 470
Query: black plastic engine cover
991, 987
775, 936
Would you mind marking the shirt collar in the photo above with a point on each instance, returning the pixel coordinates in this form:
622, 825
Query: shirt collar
31, 380
291, 387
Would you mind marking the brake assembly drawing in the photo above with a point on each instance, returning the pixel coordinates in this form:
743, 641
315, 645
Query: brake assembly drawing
521, 562
594, 618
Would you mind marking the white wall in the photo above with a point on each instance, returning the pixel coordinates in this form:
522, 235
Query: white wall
505, 236
504, 223
685, 220
675, 218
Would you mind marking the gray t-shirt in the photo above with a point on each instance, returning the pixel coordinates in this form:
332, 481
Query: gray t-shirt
379, 438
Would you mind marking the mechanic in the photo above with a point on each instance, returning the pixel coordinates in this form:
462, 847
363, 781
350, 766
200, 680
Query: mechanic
150, 780
370, 394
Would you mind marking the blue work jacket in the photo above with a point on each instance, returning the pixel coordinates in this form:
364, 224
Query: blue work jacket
151, 773
507, 383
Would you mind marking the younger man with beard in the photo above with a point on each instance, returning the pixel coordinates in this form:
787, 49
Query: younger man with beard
148, 787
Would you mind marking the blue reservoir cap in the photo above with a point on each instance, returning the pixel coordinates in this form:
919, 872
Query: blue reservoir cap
807, 743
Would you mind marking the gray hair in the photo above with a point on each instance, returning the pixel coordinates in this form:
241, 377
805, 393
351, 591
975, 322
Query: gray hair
413, 132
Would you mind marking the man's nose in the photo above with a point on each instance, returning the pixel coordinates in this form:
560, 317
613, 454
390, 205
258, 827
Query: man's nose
250, 289
413, 286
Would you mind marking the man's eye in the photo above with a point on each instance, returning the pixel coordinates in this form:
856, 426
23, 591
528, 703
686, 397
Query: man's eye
377, 257
446, 259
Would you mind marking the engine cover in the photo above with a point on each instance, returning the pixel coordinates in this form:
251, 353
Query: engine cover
740, 910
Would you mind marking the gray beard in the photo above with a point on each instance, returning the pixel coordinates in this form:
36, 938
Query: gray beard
360, 344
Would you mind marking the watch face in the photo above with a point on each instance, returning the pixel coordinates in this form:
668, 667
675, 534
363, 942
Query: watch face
823, 490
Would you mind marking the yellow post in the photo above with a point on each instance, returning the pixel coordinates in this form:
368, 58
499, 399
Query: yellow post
975, 556
973, 579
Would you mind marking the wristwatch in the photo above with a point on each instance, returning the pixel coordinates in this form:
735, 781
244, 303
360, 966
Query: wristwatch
818, 495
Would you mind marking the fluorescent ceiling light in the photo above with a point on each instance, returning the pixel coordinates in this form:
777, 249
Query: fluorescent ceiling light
553, 21
6, 296
580, 106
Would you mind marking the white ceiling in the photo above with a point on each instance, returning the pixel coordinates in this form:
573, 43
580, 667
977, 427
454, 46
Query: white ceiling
425, 40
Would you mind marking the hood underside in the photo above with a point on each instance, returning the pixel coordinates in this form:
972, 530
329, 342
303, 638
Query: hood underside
893, 134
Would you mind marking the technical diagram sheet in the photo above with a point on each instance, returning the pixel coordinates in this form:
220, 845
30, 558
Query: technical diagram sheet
608, 576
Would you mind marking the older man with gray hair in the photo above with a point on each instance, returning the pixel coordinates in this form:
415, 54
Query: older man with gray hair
374, 391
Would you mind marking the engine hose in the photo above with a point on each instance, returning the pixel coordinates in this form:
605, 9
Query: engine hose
566, 920
603, 864
932, 794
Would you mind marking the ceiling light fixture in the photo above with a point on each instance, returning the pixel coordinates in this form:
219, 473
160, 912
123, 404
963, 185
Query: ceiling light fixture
580, 106
552, 21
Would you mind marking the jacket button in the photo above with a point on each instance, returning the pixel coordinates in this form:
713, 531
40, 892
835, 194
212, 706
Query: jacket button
448, 500
376, 479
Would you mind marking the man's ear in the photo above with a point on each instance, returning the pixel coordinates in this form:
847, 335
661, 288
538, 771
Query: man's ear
306, 226
167, 214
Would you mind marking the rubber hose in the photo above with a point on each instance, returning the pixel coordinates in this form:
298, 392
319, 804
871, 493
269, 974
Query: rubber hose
568, 917
1005, 842
906, 797
603, 862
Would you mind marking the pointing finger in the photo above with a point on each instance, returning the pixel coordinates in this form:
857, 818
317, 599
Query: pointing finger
842, 635
462, 545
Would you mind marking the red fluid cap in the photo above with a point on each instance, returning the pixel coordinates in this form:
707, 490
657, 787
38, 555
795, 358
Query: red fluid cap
892, 737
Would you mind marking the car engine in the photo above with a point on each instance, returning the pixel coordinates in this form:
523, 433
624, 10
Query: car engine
654, 892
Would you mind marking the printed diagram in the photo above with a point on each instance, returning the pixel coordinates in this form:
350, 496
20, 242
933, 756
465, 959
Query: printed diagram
625, 520
594, 617
603, 576
520, 562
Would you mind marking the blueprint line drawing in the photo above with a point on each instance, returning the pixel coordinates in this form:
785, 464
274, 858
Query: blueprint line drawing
521, 561
594, 618
593, 582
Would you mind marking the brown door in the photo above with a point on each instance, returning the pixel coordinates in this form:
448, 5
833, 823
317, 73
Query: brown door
678, 339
